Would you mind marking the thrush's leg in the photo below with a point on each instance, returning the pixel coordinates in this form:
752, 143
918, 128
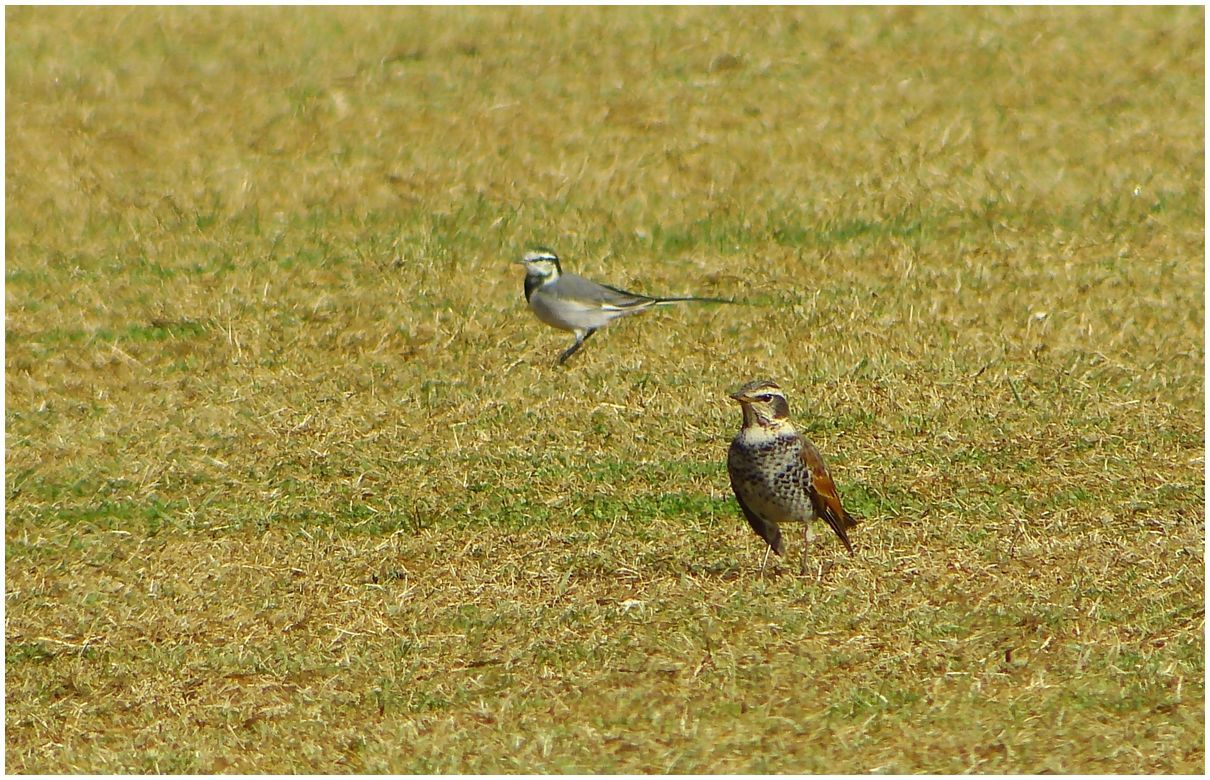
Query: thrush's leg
580, 339
808, 539
766, 560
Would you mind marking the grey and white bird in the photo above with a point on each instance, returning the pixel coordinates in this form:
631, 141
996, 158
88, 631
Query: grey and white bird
777, 474
573, 303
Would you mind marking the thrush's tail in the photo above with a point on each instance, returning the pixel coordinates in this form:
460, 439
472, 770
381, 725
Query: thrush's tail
841, 526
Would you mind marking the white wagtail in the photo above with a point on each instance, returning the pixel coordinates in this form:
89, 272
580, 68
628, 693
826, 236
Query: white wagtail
571, 302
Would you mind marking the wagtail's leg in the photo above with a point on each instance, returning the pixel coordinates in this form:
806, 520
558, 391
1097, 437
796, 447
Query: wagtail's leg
580, 339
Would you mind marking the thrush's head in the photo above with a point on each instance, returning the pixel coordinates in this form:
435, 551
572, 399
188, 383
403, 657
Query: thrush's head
763, 403
541, 263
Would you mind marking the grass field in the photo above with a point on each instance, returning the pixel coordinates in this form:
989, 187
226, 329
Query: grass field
292, 484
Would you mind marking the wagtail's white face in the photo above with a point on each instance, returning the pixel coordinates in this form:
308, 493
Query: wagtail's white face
763, 403
541, 263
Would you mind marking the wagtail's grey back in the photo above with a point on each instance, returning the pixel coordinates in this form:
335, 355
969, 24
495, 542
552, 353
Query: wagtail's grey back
572, 303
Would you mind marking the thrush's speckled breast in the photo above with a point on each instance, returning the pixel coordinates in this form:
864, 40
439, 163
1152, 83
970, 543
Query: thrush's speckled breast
768, 477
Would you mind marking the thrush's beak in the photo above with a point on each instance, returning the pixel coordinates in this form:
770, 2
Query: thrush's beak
738, 396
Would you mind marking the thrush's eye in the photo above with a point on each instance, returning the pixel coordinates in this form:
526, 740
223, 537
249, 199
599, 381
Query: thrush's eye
764, 398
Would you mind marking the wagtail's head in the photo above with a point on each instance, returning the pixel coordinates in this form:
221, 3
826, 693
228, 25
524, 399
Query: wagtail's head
541, 263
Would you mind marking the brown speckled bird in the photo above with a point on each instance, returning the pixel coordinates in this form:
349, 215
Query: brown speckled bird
777, 474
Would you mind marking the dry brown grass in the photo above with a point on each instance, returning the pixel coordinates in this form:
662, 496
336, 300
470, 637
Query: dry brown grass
292, 485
